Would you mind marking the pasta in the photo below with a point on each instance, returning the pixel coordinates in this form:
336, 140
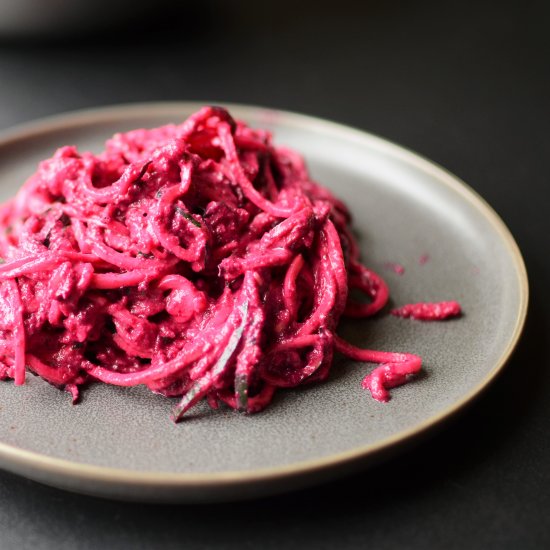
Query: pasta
197, 259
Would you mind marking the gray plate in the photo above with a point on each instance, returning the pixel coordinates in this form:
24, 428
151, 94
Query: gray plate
120, 443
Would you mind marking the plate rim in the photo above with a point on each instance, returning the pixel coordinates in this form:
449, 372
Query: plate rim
18, 460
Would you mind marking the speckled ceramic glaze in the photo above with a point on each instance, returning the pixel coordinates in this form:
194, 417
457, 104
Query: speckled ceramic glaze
120, 442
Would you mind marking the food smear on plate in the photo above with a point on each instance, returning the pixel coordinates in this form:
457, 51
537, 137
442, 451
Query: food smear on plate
398, 269
429, 311
198, 259
424, 259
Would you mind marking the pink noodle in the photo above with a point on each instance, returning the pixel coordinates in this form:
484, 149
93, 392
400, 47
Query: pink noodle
146, 375
18, 335
121, 280
370, 283
395, 368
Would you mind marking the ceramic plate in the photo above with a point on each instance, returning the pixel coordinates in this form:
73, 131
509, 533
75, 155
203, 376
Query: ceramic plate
120, 443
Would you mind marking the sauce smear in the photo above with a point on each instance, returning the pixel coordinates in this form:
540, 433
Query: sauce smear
429, 311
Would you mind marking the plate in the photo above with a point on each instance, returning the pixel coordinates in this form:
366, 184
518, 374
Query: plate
120, 443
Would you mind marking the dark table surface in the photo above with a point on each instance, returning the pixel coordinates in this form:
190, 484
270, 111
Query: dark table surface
466, 86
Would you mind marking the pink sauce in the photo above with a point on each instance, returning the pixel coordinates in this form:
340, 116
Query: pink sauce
395, 267
426, 311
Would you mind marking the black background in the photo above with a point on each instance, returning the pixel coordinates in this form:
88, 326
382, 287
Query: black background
466, 85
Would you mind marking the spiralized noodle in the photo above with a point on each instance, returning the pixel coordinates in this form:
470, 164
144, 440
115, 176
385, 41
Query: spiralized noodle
197, 259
